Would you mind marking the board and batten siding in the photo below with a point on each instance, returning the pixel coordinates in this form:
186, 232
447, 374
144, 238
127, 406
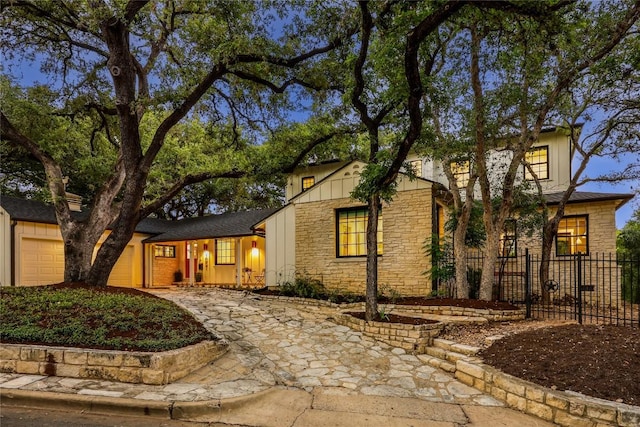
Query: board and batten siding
280, 246
5, 248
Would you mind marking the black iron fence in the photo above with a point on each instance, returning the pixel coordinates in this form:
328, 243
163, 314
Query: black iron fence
594, 288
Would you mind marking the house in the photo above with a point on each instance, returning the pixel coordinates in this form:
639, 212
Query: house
320, 231
224, 249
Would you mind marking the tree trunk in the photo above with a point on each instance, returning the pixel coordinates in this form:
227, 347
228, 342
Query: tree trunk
488, 265
371, 298
460, 254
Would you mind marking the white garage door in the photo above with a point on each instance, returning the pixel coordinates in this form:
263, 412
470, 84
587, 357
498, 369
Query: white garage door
43, 263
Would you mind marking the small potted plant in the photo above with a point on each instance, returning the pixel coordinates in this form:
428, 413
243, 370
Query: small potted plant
177, 276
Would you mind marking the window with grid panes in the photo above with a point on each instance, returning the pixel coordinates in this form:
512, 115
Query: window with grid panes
461, 172
164, 251
225, 251
573, 235
308, 182
352, 232
538, 159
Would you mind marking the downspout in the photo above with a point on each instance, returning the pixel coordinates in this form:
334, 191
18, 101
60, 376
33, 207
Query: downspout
144, 265
12, 234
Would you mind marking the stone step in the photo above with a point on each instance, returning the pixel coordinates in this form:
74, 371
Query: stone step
437, 363
455, 347
448, 356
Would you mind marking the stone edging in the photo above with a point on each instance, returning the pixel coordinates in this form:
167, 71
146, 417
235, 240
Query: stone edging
130, 367
564, 408
492, 315
413, 338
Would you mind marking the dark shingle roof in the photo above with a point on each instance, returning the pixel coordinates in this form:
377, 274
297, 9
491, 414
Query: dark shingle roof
30, 210
587, 196
231, 224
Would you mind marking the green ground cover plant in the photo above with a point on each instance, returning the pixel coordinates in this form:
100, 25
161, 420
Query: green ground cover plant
74, 315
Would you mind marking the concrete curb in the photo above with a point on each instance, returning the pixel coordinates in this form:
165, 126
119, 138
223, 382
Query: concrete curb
125, 406
85, 403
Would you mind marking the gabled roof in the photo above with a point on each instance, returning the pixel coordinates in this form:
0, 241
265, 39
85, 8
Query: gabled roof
587, 196
230, 224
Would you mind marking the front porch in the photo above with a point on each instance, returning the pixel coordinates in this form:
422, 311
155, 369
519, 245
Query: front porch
232, 262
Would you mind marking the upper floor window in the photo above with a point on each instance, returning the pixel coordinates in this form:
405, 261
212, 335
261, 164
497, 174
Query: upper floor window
573, 235
461, 172
352, 232
163, 251
225, 251
416, 165
538, 159
308, 182
509, 239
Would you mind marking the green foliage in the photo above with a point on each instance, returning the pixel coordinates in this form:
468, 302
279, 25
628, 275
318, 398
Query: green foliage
304, 286
81, 317
628, 249
386, 291
442, 267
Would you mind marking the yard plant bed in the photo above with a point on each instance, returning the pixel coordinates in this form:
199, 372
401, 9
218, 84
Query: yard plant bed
106, 318
449, 302
425, 301
599, 361
394, 318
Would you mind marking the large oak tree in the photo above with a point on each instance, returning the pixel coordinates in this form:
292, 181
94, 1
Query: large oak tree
234, 63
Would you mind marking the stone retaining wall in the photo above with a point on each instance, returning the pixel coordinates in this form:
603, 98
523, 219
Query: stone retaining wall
492, 315
563, 408
413, 338
123, 366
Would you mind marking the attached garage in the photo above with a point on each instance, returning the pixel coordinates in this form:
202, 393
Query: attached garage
43, 263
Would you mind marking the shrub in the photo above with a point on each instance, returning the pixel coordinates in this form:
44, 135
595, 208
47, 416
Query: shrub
104, 318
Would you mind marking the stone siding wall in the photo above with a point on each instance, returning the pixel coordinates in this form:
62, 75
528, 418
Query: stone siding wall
163, 269
413, 338
407, 222
124, 366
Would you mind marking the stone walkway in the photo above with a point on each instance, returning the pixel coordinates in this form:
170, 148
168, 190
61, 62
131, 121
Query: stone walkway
276, 343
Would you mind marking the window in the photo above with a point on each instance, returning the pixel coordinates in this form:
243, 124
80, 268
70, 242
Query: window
416, 165
461, 172
509, 239
538, 159
352, 232
573, 235
307, 182
163, 251
225, 251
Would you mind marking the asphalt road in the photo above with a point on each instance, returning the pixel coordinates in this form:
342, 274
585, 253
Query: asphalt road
12, 416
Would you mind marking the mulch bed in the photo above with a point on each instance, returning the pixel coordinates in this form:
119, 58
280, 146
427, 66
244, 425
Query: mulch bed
394, 318
599, 361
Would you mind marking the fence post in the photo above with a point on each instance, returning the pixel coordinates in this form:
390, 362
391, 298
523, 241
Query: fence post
579, 285
527, 282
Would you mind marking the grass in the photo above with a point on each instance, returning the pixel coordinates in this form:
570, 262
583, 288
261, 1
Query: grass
102, 318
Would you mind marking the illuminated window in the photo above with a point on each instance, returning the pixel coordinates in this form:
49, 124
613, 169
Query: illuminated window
225, 251
416, 165
573, 235
461, 172
163, 251
538, 159
352, 232
508, 239
307, 182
